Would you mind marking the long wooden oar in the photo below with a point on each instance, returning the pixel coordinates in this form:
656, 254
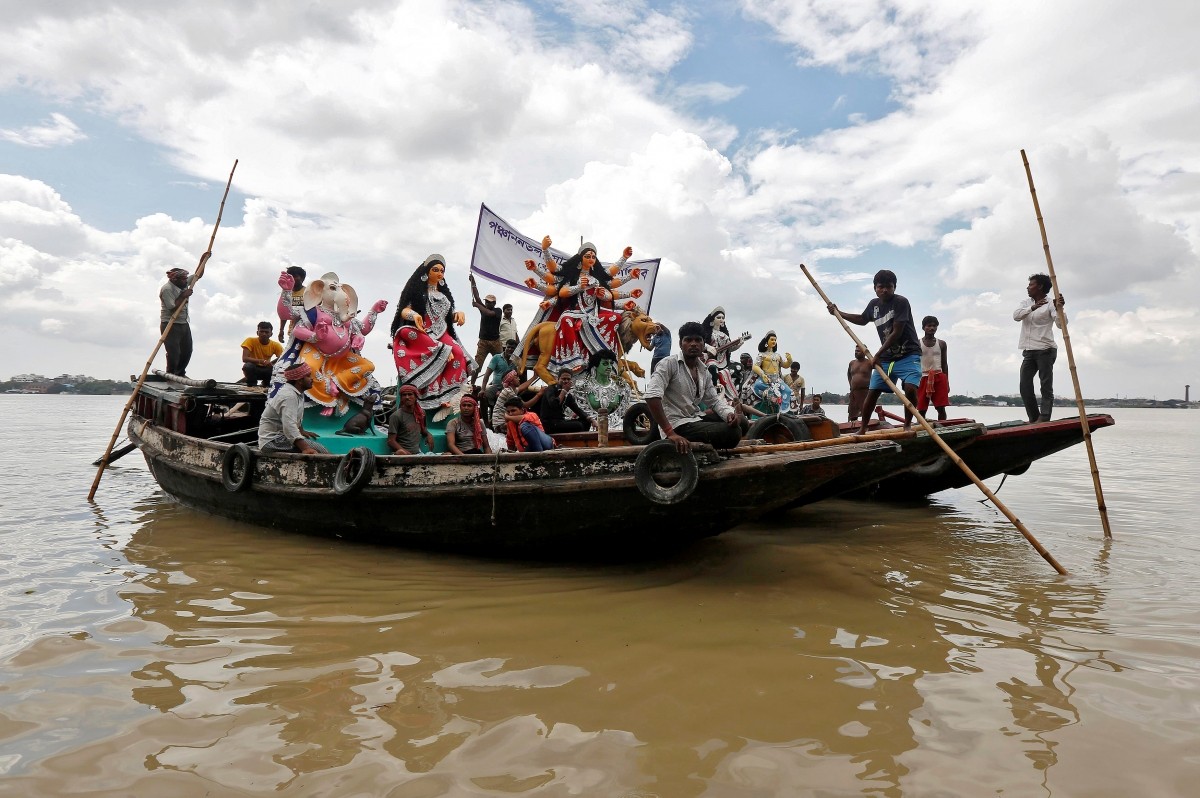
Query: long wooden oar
1062, 318
1047, 556
196, 275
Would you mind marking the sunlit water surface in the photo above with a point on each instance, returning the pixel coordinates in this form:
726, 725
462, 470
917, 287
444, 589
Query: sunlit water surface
844, 648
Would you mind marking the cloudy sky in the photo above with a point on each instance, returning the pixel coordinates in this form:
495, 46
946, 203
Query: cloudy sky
735, 140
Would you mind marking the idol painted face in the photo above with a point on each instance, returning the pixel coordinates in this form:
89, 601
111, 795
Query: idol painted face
437, 272
719, 320
588, 259
772, 342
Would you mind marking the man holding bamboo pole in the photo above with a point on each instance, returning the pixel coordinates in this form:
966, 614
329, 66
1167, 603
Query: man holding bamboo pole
899, 352
1038, 317
174, 295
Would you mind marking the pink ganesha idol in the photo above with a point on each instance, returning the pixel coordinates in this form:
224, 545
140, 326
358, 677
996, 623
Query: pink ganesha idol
329, 337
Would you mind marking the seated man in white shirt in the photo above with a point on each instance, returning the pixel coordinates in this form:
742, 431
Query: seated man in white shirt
677, 389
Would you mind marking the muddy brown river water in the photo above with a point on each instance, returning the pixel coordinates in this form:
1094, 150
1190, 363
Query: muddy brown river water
841, 649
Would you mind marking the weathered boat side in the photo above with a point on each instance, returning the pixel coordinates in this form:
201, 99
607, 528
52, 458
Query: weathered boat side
1005, 448
917, 450
568, 503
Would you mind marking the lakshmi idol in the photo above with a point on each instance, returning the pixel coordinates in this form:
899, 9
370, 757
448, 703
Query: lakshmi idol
428, 354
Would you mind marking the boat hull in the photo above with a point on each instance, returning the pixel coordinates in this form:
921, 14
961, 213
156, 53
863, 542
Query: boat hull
915, 451
576, 503
1006, 448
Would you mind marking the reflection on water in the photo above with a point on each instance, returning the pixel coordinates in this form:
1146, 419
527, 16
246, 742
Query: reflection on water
842, 648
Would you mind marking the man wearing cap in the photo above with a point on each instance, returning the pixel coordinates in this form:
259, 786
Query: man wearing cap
174, 294
489, 326
281, 428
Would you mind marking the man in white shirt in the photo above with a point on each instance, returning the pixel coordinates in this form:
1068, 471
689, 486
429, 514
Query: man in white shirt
678, 387
1038, 317
508, 326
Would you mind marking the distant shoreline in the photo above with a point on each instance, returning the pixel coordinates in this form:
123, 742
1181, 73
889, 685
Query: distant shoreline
1097, 404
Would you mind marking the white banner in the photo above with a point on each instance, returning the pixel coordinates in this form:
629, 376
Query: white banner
501, 251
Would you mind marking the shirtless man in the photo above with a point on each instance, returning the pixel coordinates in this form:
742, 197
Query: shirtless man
858, 374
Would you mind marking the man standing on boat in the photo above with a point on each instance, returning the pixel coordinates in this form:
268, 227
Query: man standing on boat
1038, 316
899, 352
173, 294
677, 388
489, 326
858, 376
281, 428
508, 326
795, 380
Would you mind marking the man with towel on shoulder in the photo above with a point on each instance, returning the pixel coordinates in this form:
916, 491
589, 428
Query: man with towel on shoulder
281, 428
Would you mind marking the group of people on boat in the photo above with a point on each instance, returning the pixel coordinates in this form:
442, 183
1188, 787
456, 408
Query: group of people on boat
696, 395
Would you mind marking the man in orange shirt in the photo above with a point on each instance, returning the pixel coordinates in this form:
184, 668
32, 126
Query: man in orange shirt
259, 354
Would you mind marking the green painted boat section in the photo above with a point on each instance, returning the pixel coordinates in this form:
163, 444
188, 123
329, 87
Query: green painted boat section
375, 440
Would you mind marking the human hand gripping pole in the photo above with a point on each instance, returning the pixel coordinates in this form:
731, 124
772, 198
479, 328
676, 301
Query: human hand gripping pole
1046, 555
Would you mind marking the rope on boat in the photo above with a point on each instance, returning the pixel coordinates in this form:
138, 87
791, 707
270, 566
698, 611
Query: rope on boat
495, 478
997, 490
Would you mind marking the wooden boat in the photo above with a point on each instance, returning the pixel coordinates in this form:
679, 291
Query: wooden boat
917, 449
572, 502
1008, 448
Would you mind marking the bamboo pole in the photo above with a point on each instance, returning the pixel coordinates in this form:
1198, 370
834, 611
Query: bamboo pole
1087, 430
196, 275
1046, 555
804, 446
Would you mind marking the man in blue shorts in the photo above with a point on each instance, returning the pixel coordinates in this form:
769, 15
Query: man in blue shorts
899, 352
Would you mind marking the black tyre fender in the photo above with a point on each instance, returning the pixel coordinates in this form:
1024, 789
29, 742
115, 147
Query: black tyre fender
779, 428
933, 468
664, 452
354, 471
637, 432
238, 456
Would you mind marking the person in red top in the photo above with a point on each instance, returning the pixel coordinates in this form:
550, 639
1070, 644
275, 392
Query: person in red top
524, 429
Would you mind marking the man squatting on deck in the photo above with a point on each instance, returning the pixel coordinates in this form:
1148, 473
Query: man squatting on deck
281, 428
677, 387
